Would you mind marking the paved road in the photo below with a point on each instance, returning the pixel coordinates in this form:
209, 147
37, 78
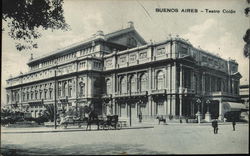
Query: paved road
162, 139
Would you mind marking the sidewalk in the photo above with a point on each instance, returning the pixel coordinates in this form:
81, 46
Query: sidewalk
61, 129
135, 125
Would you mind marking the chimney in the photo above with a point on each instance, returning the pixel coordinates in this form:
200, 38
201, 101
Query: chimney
130, 24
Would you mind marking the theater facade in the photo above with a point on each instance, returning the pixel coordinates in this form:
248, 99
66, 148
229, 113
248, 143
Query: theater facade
120, 73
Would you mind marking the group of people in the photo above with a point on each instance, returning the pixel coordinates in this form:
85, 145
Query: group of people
215, 125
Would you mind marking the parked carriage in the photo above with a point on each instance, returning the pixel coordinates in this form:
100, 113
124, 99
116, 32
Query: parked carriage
110, 121
104, 122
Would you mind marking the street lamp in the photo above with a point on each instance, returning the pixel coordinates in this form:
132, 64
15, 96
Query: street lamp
55, 105
130, 120
198, 114
208, 115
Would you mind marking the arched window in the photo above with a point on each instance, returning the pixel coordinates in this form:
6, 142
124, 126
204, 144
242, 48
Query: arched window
108, 86
160, 80
27, 95
82, 88
132, 84
17, 97
64, 89
45, 94
23, 96
70, 88
123, 85
143, 82
50, 93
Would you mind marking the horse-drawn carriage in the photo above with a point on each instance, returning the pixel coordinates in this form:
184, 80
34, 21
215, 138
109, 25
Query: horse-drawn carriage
109, 122
104, 122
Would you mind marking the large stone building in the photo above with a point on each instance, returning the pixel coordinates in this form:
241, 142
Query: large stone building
244, 94
119, 73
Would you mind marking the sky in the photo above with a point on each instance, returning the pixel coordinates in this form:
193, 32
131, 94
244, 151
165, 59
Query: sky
218, 33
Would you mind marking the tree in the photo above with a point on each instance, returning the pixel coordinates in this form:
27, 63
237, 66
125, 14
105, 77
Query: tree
49, 112
26, 17
246, 38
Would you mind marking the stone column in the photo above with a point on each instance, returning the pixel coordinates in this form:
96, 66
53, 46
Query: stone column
180, 97
113, 83
174, 78
168, 78
181, 79
153, 107
165, 106
153, 79
173, 104
169, 104
150, 106
203, 84
221, 116
150, 80
192, 79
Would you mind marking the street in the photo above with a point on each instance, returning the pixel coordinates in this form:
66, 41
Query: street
162, 139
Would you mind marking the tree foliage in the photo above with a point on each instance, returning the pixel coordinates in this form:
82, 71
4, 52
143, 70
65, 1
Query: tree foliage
246, 38
26, 17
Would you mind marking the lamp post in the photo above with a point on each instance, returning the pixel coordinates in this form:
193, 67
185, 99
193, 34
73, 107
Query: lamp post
208, 115
198, 114
130, 120
55, 105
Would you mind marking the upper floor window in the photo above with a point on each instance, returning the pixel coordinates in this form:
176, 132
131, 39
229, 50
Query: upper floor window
82, 88
160, 80
143, 82
50, 94
70, 91
132, 84
108, 86
123, 85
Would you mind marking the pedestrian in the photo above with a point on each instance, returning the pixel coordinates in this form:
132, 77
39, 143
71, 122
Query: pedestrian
215, 126
140, 116
234, 123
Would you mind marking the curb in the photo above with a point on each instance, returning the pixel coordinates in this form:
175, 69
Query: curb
73, 130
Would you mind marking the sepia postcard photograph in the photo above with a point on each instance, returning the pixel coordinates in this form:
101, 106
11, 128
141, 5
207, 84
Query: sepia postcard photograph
125, 77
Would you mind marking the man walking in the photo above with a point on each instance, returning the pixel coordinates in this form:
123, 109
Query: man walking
215, 126
234, 123
140, 116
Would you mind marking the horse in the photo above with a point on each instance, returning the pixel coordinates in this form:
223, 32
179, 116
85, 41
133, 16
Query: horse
93, 118
161, 119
